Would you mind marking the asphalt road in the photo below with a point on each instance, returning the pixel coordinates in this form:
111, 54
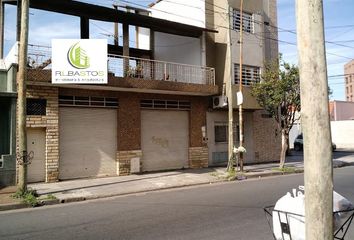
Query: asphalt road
219, 211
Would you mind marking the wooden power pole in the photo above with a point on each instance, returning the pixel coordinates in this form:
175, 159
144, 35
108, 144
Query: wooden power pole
315, 120
240, 110
230, 101
21, 100
2, 30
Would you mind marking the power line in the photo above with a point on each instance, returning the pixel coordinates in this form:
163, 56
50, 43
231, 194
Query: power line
259, 22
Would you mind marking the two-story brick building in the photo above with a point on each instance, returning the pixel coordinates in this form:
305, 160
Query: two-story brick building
156, 111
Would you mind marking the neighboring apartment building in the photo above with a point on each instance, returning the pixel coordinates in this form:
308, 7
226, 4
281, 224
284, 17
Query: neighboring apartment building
8, 69
156, 112
349, 81
341, 110
260, 45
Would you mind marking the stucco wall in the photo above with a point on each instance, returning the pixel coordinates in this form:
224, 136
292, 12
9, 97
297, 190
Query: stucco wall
220, 116
179, 49
183, 11
267, 138
342, 134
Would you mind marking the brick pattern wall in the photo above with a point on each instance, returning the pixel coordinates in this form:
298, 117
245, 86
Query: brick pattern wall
198, 111
51, 123
198, 157
129, 125
123, 161
267, 138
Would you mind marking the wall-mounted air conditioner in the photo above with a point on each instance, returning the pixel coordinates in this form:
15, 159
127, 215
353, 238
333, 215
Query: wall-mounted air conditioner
219, 101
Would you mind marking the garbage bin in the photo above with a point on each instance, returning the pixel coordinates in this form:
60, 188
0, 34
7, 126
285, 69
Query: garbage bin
287, 222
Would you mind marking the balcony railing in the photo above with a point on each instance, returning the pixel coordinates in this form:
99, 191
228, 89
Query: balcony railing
39, 57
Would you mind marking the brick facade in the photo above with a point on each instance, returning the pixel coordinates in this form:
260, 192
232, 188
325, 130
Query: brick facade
51, 123
267, 138
198, 157
128, 128
124, 160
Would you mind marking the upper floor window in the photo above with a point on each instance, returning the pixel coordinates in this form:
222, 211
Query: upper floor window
248, 22
250, 74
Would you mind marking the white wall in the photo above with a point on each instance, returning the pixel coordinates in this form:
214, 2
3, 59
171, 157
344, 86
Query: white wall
253, 47
222, 116
143, 38
343, 133
343, 110
182, 11
179, 49
294, 132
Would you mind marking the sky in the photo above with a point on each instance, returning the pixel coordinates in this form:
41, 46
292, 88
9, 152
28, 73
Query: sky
339, 27
339, 30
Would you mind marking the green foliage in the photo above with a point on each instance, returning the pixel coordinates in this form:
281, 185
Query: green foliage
51, 197
29, 197
285, 169
279, 92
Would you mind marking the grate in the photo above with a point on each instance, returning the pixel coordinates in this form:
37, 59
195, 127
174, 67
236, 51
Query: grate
165, 104
88, 101
36, 106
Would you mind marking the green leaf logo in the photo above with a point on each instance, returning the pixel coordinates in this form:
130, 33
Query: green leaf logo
77, 57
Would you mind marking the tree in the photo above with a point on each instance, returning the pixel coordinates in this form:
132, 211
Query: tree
279, 94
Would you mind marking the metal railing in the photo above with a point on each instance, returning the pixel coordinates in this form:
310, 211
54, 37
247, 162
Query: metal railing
123, 66
39, 57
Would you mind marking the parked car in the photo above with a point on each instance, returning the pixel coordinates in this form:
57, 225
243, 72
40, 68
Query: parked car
299, 144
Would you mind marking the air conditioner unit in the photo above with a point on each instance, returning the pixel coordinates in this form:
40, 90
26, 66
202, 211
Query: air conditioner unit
219, 101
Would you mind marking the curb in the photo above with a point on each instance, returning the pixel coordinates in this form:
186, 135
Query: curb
48, 202
11, 206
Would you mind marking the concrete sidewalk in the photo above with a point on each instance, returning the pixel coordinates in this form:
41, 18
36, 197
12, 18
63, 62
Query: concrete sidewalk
93, 188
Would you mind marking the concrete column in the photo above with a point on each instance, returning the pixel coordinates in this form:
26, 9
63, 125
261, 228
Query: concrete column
2, 13
315, 120
203, 49
19, 4
84, 28
152, 43
126, 47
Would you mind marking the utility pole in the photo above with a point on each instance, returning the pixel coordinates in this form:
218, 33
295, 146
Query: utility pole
230, 101
18, 19
240, 110
116, 33
2, 10
21, 100
315, 120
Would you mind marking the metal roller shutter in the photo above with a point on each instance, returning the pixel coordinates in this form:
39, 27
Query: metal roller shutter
88, 142
165, 139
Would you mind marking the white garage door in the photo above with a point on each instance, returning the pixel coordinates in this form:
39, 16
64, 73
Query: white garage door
164, 139
36, 143
88, 142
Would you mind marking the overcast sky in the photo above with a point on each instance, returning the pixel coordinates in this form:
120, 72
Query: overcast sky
339, 24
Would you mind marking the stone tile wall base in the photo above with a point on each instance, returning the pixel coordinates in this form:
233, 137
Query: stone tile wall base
123, 161
198, 157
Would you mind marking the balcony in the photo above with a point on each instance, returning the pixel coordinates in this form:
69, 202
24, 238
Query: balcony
135, 74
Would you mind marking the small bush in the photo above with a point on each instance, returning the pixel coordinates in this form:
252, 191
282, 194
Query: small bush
285, 169
29, 197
